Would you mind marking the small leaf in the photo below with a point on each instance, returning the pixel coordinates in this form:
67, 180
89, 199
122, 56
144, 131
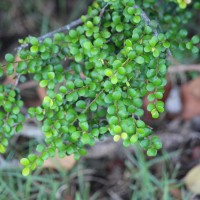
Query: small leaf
26, 171
9, 57
116, 138
139, 60
24, 161
151, 152
43, 83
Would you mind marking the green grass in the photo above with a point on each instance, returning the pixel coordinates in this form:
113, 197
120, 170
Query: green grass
149, 180
153, 186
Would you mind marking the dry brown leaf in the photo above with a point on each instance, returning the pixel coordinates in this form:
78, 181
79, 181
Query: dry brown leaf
41, 93
56, 163
191, 99
192, 180
175, 192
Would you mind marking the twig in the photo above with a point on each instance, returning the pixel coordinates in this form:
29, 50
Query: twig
50, 34
103, 10
146, 18
114, 195
184, 68
17, 79
28, 85
147, 22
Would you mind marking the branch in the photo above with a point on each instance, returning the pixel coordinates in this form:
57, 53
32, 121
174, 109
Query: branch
50, 34
184, 68
103, 10
147, 21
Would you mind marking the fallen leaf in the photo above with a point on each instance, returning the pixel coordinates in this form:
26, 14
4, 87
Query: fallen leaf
56, 163
191, 99
192, 180
175, 192
173, 103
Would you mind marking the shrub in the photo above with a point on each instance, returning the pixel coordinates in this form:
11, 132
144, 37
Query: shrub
117, 55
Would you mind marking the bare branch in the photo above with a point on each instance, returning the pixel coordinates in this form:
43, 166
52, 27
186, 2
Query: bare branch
103, 10
184, 68
50, 34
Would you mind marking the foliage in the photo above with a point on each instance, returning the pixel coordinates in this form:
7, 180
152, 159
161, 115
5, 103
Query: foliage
115, 58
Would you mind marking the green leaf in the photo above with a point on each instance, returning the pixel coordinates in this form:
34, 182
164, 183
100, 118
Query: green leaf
140, 124
153, 41
59, 97
19, 128
121, 70
134, 139
9, 57
132, 92
34, 41
1, 97
84, 126
85, 139
117, 129
117, 64
144, 144
195, 39
44, 83
48, 101
159, 95
78, 83
24, 161
136, 19
16, 110
152, 152
156, 142
111, 110
116, 95
137, 102
116, 138
40, 148
154, 113
160, 108
87, 45
130, 10
70, 85
2, 149
139, 60
150, 87
156, 53
34, 49
108, 72
114, 80
119, 28
166, 45
93, 107
150, 107
81, 104
124, 136
51, 75
26, 171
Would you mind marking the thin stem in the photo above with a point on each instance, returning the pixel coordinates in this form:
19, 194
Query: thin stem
103, 10
89, 105
93, 101
147, 21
